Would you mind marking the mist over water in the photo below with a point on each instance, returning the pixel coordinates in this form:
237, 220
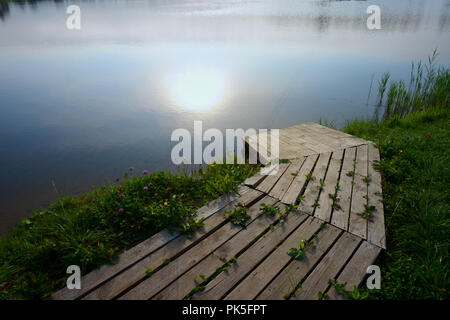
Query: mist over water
81, 106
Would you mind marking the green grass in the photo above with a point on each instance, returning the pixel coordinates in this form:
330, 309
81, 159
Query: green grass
415, 158
94, 228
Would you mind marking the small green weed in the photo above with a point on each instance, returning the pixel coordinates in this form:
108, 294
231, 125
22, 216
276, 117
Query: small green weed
270, 210
310, 177
239, 216
299, 253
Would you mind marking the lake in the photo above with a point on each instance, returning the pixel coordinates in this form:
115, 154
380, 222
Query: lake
78, 107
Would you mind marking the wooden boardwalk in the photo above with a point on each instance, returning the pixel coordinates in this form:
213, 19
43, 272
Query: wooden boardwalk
330, 173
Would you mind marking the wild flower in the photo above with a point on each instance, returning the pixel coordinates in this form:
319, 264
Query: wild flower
131, 168
145, 172
121, 210
165, 203
145, 188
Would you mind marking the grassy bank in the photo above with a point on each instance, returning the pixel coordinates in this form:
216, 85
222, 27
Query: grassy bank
411, 127
93, 229
415, 157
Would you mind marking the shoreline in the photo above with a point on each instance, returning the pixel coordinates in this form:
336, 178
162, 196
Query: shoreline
364, 129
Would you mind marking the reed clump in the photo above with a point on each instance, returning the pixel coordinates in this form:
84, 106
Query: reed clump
428, 89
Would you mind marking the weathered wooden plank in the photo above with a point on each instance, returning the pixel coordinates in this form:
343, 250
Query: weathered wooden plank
136, 272
219, 286
183, 285
295, 138
358, 224
252, 147
291, 195
323, 211
344, 138
285, 283
306, 139
160, 279
250, 287
267, 184
327, 133
219, 203
98, 276
326, 130
340, 216
312, 190
297, 146
355, 269
375, 225
286, 179
263, 148
255, 179
287, 148
146, 247
327, 268
352, 141
323, 135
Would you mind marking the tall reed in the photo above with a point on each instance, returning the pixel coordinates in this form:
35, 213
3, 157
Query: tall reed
428, 88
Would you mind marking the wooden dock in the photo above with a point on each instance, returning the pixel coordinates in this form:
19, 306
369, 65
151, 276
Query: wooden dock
340, 218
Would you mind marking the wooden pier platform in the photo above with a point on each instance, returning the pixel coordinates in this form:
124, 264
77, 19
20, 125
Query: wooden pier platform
340, 219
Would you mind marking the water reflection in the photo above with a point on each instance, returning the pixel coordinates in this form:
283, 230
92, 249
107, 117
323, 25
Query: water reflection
81, 107
323, 15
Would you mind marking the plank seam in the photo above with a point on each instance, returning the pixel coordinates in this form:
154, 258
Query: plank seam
299, 284
263, 259
242, 251
324, 178
292, 180
260, 235
346, 262
178, 254
337, 182
305, 185
351, 190
292, 259
203, 258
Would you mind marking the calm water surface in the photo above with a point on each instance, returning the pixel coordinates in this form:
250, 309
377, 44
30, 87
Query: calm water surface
80, 107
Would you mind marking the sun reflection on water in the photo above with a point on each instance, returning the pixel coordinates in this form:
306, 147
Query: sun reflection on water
197, 89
